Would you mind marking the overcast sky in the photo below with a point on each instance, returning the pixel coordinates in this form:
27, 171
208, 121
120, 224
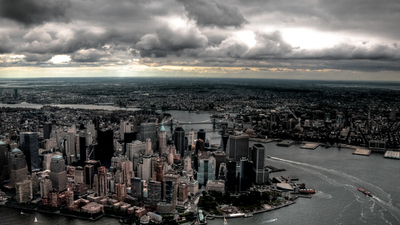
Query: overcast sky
303, 39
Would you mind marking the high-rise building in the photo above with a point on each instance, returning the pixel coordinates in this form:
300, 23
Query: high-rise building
148, 130
17, 166
206, 170
148, 148
58, 174
100, 182
23, 191
129, 138
79, 175
169, 191
200, 146
125, 127
146, 169
105, 148
136, 187
82, 150
191, 140
89, 174
29, 145
175, 179
69, 143
47, 130
222, 171
258, 158
238, 147
245, 174
45, 187
179, 140
231, 184
183, 192
219, 158
201, 134
159, 171
3, 161
133, 150
154, 193
162, 138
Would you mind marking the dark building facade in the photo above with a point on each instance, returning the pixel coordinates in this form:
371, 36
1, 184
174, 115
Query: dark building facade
238, 147
179, 140
258, 157
105, 147
29, 145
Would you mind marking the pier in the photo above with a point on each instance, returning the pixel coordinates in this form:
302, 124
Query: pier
392, 155
309, 145
362, 151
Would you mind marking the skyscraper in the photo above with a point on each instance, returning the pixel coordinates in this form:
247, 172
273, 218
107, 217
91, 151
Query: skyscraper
46, 130
30, 147
238, 147
3, 161
148, 130
179, 140
162, 139
100, 182
258, 153
136, 187
201, 134
18, 167
82, 150
105, 147
58, 174
191, 139
206, 170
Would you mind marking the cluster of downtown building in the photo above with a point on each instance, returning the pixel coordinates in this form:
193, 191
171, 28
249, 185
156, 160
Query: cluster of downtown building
55, 157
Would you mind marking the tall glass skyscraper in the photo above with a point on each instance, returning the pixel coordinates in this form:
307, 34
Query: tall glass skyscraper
179, 140
28, 142
206, 170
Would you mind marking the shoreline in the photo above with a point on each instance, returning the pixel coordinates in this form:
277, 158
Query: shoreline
241, 214
58, 213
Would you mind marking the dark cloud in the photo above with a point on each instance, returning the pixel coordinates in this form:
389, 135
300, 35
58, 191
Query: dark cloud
37, 57
5, 44
67, 41
30, 12
213, 13
169, 40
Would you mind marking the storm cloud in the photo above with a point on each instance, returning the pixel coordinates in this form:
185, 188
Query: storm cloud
30, 12
344, 35
212, 13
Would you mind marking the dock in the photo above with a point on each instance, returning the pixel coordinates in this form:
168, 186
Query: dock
310, 146
285, 143
392, 155
362, 151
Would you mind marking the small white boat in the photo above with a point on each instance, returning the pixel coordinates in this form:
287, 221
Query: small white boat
22, 213
35, 221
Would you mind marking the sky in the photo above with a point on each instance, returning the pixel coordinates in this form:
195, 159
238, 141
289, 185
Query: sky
286, 39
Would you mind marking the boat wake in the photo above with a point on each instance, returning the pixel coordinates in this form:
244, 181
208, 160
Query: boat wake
317, 170
271, 221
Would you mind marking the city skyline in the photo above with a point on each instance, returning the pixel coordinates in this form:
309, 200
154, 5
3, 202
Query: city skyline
347, 40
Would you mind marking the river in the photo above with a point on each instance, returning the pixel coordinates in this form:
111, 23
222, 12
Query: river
334, 173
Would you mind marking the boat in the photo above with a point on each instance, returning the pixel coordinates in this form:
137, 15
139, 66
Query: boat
364, 191
22, 213
307, 191
225, 221
35, 221
248, 215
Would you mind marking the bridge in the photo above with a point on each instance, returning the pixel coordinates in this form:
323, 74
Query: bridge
171, 122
